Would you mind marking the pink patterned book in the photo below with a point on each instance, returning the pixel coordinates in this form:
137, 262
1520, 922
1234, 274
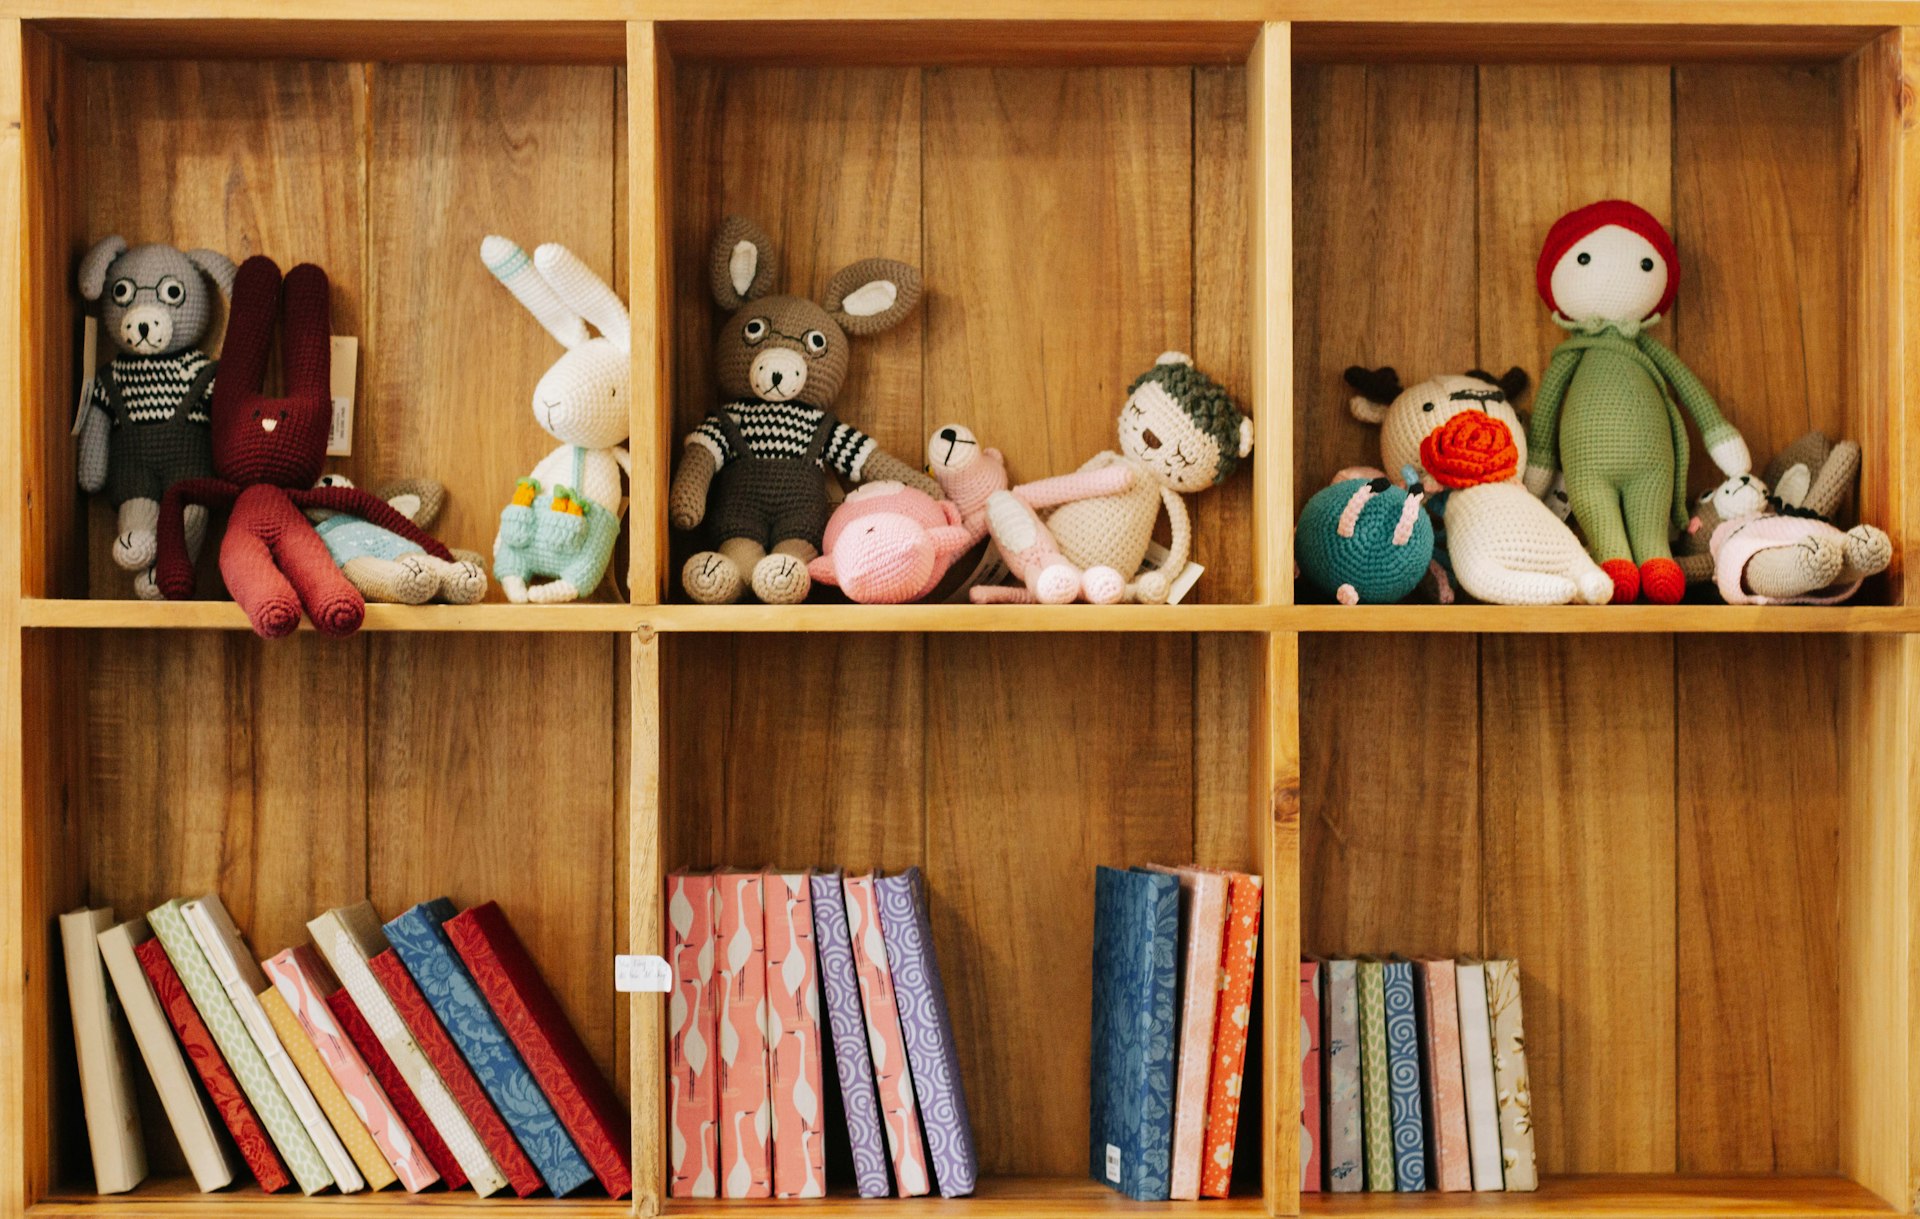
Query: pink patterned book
1446, 1087
793, 1038
1203, 924
746, 1117
693, 1073
1309, 1077
898, 1113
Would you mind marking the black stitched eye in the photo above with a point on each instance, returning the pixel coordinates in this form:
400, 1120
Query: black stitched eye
123, 290
816, 341
1646, 264
172, 291
256, 414
755, 330
1426, 406
1584, 258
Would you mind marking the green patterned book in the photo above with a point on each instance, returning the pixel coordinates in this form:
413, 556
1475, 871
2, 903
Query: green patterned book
1375, 1108
249, 1066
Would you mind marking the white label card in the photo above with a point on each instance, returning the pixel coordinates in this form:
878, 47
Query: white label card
1113, 1164
642, 975
89, 369
1183, 580
346, 364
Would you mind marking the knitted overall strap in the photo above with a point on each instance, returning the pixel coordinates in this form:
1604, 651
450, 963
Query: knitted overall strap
817, 447
736, 440
579, 468
1612, 342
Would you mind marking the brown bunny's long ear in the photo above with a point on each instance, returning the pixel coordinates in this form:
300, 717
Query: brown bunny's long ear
1834, 479
744, 263
872, 295
418, 499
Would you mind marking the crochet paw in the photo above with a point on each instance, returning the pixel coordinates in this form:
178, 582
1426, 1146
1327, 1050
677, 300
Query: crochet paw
1595, 587
466, 581
146, 587
553, 592
1102, 585
516, 526
1057, 585
515, 588
275, 617
1869, 551
1662, 581
414, 582
1150, 589
135, 549
337, 616
781, 579
710, 578
1626, 580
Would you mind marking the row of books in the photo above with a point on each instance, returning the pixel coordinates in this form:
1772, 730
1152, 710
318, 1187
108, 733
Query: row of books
1425, 1072
1174, 956
751, 952
428, 1051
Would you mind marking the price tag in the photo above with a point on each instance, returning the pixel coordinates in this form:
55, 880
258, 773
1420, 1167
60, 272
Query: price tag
642, 975
346, 363
89, 369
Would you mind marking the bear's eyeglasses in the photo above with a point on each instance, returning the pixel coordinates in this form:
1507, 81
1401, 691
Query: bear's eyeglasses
168, 291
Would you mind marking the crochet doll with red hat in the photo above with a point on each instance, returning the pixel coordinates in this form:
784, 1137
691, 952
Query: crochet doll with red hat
1608, 411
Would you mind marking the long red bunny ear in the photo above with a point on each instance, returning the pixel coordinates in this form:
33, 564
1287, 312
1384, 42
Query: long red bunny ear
243, 355
281, 441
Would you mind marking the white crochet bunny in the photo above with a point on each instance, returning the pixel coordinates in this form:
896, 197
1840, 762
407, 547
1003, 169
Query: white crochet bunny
565, 516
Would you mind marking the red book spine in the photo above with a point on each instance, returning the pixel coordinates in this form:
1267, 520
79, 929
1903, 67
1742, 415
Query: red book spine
593, 1114
405, 1103
255, 1147
455, 1073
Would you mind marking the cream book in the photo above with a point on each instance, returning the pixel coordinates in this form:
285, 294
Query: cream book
233, 964
348, 938
106, 1081
1476, 1069
186, 1109
1510, 1084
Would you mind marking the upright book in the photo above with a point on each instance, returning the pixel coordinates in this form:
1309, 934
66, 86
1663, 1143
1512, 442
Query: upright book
693, 1031
373, 1166
886, 1040
928, 1027
746, 1111
1203, 925
1136, 921
412, 1114
1341, 1035
106, 1076
1240, 953
594, 1115
847, 1023
1476, 1072
793, 1038
1403, 1079
1376, 1107
1446, 1093
1310, 1077
187, 1113
1510, 1075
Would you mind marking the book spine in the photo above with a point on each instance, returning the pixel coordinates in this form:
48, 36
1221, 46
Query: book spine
693, 1030
899, 1113
848, 1026
1342, 1061
746, 1114
793, 1039
1376, 1106
1403, 1079
449, 990
439, 1160
1148, 1176
1240, 953
256, 1148
1310, 1156
1203, 906
106, 1077
1510, 1075
928, 1027
1476, 1071
333, 1102
1446, 1095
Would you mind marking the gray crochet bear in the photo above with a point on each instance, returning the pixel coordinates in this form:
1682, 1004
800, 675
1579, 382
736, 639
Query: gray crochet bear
145, 425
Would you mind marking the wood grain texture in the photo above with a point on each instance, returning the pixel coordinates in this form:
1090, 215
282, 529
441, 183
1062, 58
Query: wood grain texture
1270, 171
648, 228
1276, 791
645, 920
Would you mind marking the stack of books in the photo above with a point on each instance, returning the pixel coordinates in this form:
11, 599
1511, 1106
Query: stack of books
751, 954
1174, 954
1413, 1076
425, 1051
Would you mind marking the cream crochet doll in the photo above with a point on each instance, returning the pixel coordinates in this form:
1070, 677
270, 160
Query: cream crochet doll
1179, 433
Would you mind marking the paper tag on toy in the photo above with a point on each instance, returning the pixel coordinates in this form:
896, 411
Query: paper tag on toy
642, 975
346, 363
1183, 579
89, 369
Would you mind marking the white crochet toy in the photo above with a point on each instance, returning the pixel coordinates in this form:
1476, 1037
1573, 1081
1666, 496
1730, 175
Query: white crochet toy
565, 515
1505, 545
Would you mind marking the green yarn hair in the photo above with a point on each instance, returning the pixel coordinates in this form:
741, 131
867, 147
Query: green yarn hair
1207, 403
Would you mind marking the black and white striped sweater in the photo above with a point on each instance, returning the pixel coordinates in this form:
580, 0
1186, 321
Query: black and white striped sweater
151, 387
785, 429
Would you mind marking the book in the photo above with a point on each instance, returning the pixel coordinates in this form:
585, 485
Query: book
1309, 1077
1233, 1013
432, 1038
848, 1026
305, 984
349, 938
233, 964
1476, 1072
1203, 924
907, 928
693, 1029
886, 1041
437, 970
746, 1112
405, 1104
373, 1166
1510, 1075
1376, 1107
598, 1120
237, 1047
1136, 931
1403, 1078
229, 1101
793, 1038
106, 1076
187, 1113
1446, 1093
1341, 1035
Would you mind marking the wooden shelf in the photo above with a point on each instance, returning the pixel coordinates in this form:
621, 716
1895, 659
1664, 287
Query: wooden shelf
177, 1198
1041, 1197
1625, 1194
82, 614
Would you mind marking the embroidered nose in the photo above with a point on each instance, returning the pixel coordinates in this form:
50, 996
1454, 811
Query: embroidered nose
1148, 438
776, 379
267, 425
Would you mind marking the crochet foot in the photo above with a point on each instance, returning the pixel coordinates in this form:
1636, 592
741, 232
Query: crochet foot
1595, 587
710, 578
781, 579
1869, 551
146, 587
1663, 581
135, 550
1104, 586
1626, 580
337, 616
414, 583
275, 617
1057, 585
553, 592
515, 588
464, 581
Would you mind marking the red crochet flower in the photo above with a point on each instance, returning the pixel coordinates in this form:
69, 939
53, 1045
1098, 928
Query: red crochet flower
1470, 449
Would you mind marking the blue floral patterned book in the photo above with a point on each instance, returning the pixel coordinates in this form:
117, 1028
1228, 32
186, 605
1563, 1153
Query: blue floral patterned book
423, 948
1136, 929
1403, 1079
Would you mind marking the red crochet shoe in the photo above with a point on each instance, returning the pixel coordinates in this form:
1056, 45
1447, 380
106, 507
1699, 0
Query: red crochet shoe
1626, 580
1663, 581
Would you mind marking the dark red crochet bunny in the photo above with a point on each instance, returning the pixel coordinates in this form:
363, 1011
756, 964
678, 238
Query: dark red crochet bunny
267, 453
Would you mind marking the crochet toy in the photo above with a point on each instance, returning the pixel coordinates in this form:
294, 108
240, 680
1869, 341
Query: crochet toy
564, 518
387, 567
888, 543
267, 454
1607, 412
1504, 545
1365, 540
144, 426
1786, 548
1179, 433
762, 452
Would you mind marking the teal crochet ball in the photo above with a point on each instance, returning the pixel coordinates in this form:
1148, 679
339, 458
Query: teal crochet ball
1364, 541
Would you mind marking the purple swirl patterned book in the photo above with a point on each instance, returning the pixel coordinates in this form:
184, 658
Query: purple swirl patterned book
848, 1027
923, 1016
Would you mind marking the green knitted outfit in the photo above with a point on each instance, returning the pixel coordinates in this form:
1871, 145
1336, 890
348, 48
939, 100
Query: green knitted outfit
1607, 414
